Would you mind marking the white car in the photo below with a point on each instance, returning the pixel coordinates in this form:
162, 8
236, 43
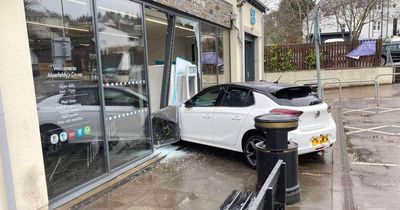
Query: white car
80, 111
223, 116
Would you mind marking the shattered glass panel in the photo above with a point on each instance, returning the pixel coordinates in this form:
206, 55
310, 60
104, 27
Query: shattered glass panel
166, 129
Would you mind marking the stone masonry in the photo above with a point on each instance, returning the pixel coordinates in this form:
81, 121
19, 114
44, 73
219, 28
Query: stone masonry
217, 11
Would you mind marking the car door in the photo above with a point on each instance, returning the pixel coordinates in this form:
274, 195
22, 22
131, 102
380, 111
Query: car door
230, 114
88, 99
395, 52
123, 111
196, 121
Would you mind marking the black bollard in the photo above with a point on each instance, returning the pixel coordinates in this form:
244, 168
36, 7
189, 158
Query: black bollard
275, 147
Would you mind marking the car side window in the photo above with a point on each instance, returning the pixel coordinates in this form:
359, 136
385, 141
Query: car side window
237, 97
393, 47
120, 98
88, 97
207, 98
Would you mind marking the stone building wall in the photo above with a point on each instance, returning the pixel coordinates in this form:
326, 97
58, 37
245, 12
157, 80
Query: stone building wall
217, 11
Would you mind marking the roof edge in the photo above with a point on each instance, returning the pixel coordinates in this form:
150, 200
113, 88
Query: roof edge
257, 4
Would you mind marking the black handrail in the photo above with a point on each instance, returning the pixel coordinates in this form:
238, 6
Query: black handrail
271, 196
273, 193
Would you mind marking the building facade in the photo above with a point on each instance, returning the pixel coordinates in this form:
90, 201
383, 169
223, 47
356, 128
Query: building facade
79, 80
381, 23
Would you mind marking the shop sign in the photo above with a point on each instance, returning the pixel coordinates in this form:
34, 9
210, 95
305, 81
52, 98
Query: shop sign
253, 14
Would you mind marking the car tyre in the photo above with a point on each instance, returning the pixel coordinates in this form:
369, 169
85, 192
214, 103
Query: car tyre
249, 149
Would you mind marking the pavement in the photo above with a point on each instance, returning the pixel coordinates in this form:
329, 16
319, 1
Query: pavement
371, 135
361, 171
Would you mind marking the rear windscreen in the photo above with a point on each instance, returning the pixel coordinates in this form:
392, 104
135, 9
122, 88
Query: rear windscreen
296, 96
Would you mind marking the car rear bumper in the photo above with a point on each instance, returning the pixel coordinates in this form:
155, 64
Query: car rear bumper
303, 138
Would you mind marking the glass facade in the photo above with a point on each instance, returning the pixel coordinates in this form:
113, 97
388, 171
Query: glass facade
121, 43
61, 39
215, 62
209, 56
92, 74
186, 40
224, 68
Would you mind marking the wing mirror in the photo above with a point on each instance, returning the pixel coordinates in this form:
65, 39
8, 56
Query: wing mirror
189, 103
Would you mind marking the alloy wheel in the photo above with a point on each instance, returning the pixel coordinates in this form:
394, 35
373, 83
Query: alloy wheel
250, 149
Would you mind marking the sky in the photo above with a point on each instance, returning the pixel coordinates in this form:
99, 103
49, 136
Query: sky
272, 4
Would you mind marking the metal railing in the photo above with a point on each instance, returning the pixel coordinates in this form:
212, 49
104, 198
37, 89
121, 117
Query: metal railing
325, 79
271, 196
378, 84
273, 193
375, 82
350, 82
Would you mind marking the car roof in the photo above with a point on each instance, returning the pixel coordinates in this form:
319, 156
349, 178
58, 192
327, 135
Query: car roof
392, 43
263, 86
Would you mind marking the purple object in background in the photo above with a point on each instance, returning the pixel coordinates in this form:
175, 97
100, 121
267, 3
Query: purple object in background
211, 58
367, 48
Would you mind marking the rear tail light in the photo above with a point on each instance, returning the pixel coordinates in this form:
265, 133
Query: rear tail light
329, 109
287, 111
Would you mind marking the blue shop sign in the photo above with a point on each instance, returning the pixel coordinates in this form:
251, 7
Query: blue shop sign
253, 13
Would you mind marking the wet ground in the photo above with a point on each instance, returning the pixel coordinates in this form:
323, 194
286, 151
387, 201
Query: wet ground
199, 177
361, 171
371, 172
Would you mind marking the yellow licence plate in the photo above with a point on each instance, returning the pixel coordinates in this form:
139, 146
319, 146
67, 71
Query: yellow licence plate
320, 140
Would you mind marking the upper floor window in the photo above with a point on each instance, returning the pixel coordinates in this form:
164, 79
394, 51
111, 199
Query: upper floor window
376, 25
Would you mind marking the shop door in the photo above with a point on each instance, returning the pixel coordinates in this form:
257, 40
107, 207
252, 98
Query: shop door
249, 59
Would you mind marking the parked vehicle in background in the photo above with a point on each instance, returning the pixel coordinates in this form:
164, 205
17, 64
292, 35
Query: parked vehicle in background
392, 48
223, 116
334, 40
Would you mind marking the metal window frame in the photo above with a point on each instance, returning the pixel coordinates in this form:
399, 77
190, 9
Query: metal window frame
169, 50
100, 81
216, 53
146, 72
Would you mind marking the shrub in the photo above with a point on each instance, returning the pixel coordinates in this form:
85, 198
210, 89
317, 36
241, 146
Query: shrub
277, 61
311, 59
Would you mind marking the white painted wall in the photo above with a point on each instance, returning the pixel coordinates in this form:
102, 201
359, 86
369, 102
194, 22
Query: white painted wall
237, 42
342, 74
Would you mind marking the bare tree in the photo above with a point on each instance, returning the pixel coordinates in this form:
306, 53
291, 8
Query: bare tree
286, 25
302, 9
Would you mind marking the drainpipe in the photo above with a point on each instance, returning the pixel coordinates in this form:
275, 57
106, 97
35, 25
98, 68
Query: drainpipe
387, 19
5, 157
242, 56
262, 48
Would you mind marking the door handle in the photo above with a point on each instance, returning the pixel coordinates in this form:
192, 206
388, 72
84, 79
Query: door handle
206, 116
236, 118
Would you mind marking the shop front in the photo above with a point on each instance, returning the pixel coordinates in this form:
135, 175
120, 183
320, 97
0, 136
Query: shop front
101, 68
